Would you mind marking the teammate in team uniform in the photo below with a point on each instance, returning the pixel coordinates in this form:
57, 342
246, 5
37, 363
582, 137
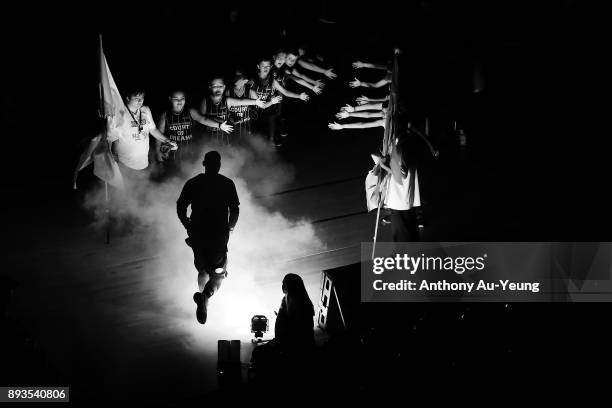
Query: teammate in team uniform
217, 106
177, 123
269, 90
280, 75
278, 62
283, 72
240, 115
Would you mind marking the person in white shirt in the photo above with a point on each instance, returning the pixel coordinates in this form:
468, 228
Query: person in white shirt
403, 194
128, 132
401, 185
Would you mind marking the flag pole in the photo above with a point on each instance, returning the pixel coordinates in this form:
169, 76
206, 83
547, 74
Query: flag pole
390, 129
380, 203
376, 228
107, 214
103, 115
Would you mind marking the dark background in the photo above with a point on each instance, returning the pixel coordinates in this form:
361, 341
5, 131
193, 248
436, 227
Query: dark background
541, 63
545, 101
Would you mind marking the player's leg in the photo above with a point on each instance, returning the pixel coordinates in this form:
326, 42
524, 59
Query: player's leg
404, 226
216, 272
200, 262
203, 279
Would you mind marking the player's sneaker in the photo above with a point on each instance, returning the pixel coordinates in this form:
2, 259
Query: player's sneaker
201, 312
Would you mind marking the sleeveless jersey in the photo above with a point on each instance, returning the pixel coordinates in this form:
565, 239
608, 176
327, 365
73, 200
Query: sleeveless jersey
179, 126
279, 75
239, 113
264, 88
217, 111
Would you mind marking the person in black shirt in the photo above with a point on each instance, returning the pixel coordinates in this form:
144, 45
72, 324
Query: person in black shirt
177, 123
217, 107
294, 321
214, 214
293, 344
240, 115
270, 91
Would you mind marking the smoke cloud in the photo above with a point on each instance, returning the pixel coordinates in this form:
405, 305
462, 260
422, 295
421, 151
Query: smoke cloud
145, 216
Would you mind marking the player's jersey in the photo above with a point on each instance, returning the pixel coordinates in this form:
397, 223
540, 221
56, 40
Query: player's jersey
179, 126
264, 88
279, 74
217, 111
240, 113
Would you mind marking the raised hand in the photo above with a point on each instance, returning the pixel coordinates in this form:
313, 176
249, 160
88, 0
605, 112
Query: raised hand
335, 126
317, 89
304, 96
319, 83
226, 128
260, 104
347, 108
357, 64
362, 100
330, 73
355, 83
276, 99
342, 115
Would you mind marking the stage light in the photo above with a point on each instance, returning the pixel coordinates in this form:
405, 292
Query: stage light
259, 325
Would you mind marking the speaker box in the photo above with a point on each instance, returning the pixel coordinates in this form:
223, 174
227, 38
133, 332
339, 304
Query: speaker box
229, 368
339, 298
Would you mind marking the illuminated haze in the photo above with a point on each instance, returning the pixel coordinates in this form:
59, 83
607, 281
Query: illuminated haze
261, 241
